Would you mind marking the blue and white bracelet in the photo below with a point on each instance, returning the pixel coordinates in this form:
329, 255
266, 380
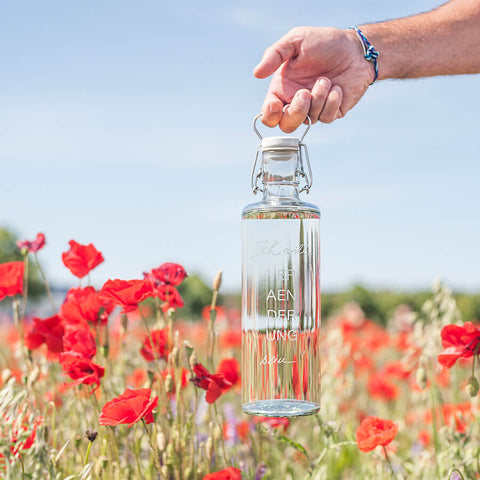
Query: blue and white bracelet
369, 51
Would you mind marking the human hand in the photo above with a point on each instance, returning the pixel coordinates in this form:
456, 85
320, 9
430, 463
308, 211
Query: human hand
316, 71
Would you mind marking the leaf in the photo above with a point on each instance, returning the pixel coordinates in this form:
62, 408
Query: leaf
295, 445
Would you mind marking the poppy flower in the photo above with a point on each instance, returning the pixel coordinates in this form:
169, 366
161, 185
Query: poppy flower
274, 422
126, 293
213, 384
32, 246
130, 407
11, 279
458, 342
170, 296
159, 348
382, 388
373, 432
169, 274
81, 259
82, 370
84, 305
230, 369
229, 473
18, 431
49, 331
80, 343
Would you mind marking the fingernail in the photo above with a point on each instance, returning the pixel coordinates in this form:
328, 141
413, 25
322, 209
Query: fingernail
323, 82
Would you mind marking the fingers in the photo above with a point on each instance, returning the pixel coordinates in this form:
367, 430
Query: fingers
331, 109
295, 113
320, 93
274, 56
272, 110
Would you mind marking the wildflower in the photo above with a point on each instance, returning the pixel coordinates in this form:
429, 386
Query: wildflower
11, 279
82, 370
18, 430
91, 435
159, 348
213, 384
79, 343
382, 388
280, 423
472, 387
130, 407
374, 431
84, 305
167, 274
170, 296
126, 293
32, 246
230, 369
49, 331
458, 342
229, 473
81, 259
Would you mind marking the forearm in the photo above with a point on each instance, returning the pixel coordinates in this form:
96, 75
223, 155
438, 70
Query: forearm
445, 41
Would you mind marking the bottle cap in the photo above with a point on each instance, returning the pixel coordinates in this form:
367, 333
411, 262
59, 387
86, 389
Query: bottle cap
279, 143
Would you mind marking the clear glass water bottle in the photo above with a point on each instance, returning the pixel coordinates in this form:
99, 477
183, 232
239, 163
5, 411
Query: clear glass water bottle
281, 285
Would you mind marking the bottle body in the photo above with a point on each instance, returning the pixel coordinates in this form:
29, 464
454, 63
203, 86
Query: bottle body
281, 308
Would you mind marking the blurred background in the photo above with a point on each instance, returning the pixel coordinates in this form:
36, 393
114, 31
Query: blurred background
128, 124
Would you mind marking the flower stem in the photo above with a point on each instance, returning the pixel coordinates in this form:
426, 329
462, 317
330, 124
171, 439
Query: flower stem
47, 287
25, 286
88, 453
389, 462
455, 470
154, 450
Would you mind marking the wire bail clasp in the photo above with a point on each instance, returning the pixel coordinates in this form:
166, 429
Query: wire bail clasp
303, 160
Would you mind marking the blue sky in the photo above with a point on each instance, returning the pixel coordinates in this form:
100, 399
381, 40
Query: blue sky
128, 124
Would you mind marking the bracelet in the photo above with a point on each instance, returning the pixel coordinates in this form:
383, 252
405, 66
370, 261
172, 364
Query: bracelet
369, 51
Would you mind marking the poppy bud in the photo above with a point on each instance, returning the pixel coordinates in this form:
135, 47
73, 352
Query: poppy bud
175, 356
187, 474
217, 432
209, 447
33, 377
193, 360
169, 383
217, 282
124, 323
161, 441
472, 386
165, 471
91, 435
421, 378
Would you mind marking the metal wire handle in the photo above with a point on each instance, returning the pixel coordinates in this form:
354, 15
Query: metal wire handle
307, 176
261, 138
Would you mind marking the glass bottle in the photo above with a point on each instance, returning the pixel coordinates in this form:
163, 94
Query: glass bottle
280, 286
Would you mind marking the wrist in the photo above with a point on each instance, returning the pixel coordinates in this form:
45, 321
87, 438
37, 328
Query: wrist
366, 69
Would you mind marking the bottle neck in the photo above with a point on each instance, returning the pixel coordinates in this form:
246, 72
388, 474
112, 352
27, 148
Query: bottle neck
280, 175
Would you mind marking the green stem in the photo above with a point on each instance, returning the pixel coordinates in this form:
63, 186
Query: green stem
222, 442
455, 469
25, 286
88, 453
389, 462
47, 287
23, 467
154, 450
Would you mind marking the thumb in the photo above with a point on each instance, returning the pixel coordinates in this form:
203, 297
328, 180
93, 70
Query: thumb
274, 56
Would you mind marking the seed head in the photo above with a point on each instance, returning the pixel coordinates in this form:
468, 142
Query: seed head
91, 435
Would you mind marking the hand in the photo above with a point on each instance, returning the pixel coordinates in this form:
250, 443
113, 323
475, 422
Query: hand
316, 71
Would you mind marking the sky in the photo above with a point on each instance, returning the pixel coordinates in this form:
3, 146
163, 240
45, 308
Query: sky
128, 124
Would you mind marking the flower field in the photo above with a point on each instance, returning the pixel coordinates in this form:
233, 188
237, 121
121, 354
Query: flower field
113, 385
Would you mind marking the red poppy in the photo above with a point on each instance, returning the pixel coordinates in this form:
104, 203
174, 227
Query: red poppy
81, 259
11, 279
169, 274
84, 304
32, 246
230, 369
169, 295
79, 343
49, 331
184, 377
160, 345
19, 431
82, 370
374, 431
274, 422
130, 407
126, 293
382, 388
459, 341
137, 378
229, 473
213, 384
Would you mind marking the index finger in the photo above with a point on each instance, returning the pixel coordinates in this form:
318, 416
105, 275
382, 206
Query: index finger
272, 109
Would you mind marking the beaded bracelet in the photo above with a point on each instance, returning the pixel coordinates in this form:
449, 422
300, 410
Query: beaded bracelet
369, 51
